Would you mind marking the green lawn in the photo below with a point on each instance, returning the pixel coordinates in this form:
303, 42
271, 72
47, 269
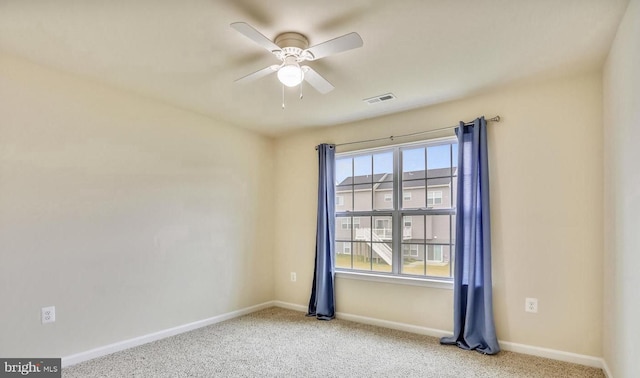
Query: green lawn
415, 267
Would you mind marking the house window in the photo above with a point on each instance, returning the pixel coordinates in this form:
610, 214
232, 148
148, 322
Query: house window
408, 237
410, 250
434, 253
434, 197
339, 200
345, 223
346, 248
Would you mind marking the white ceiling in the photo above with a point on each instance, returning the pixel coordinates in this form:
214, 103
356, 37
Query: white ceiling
423, 51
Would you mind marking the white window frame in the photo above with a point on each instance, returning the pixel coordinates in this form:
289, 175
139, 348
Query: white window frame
388, 197
397, 212
339, 200
406, 196
346, 246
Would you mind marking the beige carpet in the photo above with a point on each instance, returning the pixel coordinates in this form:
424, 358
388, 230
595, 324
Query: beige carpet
283, 343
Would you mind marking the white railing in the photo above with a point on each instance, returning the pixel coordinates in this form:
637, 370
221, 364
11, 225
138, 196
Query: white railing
380, 248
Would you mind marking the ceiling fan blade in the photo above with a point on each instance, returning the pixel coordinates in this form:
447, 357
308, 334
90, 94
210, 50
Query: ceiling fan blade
316, 81
334, 46
254, 35
258, 74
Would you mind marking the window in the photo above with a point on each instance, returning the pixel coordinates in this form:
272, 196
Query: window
434, 253
434, 198
399, 219
339, 200
345, 223
410, 250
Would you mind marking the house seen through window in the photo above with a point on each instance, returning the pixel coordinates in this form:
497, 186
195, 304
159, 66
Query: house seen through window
396, 213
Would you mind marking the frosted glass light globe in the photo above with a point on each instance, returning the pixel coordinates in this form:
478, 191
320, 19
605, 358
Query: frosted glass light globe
290, 75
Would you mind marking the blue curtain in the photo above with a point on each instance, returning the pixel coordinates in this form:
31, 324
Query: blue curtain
473, 326
322, 302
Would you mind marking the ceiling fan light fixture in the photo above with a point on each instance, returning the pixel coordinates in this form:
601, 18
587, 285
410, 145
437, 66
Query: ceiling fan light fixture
291, 74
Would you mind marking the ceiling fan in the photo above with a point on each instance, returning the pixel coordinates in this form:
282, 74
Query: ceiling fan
291, 49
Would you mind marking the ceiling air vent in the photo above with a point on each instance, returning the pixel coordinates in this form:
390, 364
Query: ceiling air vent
378, 99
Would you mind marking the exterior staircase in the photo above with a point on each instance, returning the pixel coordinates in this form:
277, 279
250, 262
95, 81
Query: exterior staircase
381, 248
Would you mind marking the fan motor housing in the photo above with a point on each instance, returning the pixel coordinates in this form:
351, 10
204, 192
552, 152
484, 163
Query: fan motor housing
292, 39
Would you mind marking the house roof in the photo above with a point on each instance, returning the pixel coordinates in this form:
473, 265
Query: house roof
412, 179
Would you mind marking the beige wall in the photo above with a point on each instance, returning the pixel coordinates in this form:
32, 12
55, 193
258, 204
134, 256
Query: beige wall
622, 198
128, 215
545, 244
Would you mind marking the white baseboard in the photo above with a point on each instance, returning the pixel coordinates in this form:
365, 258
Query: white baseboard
290, 306
605, 368
553, 354
126, 344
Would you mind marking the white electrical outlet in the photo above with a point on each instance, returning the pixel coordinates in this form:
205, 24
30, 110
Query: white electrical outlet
293, 276
48, 314
531, 304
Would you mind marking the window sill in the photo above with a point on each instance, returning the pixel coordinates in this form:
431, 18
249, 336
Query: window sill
399, 280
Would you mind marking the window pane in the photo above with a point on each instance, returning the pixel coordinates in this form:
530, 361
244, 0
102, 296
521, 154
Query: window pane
383, 166
437, 229
382, 229
438, 260
344, 198
413, 189
413, 259
361, 256
439, 161
383, 196
453, 227
438, 196
413, 163
362, 228
454, 154
343, 228
343, 260
344, 171
362, 197
413, 229
362, 169
454, 192
382, 257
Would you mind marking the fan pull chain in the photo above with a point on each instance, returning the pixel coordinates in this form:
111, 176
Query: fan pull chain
301, 91
282, 96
